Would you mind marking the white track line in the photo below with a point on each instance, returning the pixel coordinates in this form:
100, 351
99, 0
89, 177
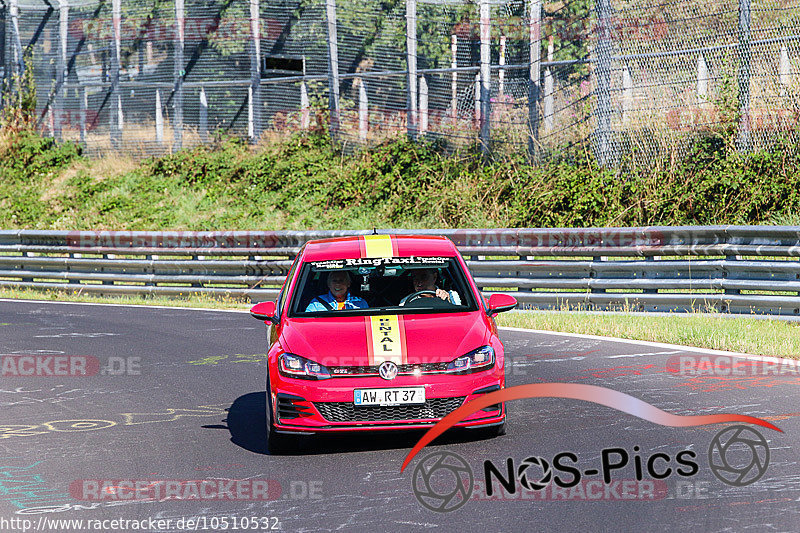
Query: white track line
17, 300
691, 349
519, 330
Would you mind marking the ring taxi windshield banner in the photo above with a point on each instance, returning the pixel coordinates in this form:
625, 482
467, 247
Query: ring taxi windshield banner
412, 261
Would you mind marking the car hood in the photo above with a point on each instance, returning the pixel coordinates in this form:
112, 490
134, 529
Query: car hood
346, 341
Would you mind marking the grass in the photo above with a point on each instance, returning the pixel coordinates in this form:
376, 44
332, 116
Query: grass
702, 330
199, 301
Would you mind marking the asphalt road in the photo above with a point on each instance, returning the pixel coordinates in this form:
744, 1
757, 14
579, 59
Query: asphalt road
179, 399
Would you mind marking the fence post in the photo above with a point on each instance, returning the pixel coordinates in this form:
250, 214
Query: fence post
363, 111
535, 37
251, 130
743, 140
627, 95
115, 110
159, 118
501, 74
454, 81
178, 74
255, 69
485, 73
548, 110
423, 105
411, 64
702, 79
61, 75
477, 99
785, 70
203, 115
603, 72
305, 107
19, 61
84, 103
333, 68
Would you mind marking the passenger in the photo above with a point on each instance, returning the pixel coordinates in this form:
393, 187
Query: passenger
424, 279
338, 296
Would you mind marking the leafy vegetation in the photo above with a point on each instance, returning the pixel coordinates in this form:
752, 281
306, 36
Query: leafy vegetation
302, 182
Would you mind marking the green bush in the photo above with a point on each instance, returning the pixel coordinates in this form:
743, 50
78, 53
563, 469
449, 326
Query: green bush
304, 183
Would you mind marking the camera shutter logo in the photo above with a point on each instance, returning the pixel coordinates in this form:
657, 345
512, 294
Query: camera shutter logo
738, 455
442, 482
544, 479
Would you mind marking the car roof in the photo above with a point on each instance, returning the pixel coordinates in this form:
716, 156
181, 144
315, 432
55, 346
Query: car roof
363, 246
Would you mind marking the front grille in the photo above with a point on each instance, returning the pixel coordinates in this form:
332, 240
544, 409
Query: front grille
373, 370
347, 412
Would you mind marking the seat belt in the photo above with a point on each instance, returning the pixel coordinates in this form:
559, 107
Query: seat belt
325, 304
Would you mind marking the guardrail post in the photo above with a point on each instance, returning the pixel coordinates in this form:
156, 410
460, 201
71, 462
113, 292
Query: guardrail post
594, 290
744, 141
411, 64
649, 259
730, 259
333, 69
534, 75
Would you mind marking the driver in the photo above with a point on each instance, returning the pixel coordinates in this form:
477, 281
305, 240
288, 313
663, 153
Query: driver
338, 296
424, 279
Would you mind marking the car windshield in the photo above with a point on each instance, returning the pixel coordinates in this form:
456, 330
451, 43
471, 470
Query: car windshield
390, 285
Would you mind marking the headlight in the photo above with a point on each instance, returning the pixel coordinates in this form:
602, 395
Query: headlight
474, 361
299, 367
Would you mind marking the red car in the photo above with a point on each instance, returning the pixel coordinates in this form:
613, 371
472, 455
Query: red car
380, 332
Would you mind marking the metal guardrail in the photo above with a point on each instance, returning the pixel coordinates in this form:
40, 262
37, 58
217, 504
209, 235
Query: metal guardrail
738, 269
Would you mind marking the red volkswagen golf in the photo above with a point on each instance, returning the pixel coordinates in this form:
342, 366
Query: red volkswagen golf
380, 332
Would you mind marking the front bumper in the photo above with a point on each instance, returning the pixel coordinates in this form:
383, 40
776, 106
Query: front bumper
305, 406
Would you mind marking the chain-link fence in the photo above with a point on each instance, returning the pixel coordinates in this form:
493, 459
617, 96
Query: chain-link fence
620, 78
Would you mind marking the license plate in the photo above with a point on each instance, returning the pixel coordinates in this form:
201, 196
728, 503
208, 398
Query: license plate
395, 396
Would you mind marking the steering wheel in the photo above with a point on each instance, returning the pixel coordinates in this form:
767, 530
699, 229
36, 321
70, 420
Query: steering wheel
415, 295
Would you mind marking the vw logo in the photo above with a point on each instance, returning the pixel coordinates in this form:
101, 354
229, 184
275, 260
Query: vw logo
387, 370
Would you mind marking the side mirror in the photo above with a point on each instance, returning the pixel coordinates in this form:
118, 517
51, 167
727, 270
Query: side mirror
265, 311
501, 302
